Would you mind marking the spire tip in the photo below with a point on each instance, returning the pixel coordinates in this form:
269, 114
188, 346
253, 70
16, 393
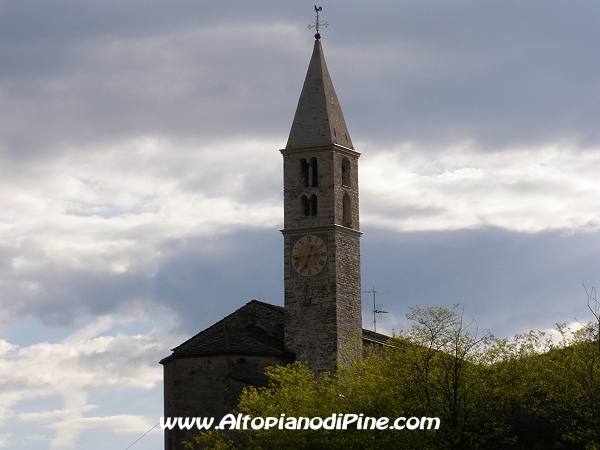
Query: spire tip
317, 23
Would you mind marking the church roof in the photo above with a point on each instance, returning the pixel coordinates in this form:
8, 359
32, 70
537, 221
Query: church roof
374, 338
231, 340
239, 334
318, 120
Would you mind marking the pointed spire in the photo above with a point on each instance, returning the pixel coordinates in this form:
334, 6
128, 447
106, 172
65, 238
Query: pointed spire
319, 120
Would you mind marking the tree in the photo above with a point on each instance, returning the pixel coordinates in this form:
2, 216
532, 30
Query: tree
523, 393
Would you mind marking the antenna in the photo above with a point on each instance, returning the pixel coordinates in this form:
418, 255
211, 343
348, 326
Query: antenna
375, 310
317, 24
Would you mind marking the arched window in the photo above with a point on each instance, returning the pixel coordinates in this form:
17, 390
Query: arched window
313, 173
304, 172
304, 206
309, 174
347, 211
309, 205
346, 172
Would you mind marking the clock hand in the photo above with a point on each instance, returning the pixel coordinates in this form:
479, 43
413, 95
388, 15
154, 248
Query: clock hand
310, 254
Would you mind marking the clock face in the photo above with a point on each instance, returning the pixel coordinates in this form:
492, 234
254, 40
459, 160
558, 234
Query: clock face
309, 255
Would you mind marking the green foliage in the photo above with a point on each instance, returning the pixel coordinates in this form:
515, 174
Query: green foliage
213, 440
294, 391
524, 393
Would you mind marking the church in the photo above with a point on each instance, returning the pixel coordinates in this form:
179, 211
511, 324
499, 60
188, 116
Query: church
321, 320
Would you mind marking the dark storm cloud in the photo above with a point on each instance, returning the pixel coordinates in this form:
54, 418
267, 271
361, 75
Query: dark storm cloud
500, 73
199, 281
138, 137
58, 295
83, 74
509, 282
206, 280
76, 72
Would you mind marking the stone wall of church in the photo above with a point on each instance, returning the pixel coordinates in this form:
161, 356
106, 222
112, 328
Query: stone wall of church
294, 189
208, 386
348, 186
311, 321
323, 312
349, 296
329, 191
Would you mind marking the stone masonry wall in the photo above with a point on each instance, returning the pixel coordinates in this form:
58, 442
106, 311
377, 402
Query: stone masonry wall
207, 386
323, 312
349, 296
329, 191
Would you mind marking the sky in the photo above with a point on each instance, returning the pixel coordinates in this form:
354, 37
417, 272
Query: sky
141, 180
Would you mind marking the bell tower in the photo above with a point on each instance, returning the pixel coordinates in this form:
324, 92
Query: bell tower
323, 320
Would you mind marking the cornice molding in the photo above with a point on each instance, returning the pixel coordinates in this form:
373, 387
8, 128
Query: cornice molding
321, 229
321, 149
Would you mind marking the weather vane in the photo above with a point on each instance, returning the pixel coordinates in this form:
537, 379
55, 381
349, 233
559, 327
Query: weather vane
317, 24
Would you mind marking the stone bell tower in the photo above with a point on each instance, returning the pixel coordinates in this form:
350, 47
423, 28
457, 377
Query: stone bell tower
323, 320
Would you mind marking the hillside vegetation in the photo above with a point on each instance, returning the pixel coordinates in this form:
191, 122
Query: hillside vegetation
529, 392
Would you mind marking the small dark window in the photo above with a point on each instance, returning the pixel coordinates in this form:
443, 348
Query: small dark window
309, 174
304, 172
346, 172
313, 174
347, 211
309, 205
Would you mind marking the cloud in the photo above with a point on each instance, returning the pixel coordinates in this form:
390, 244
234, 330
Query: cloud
93, 227
91, 235
510, 282
175, 83
504, 75
501, 75
82, 363
101, 325
525, 190
140, 176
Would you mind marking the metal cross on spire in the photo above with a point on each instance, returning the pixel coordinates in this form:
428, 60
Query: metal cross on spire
317, 23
